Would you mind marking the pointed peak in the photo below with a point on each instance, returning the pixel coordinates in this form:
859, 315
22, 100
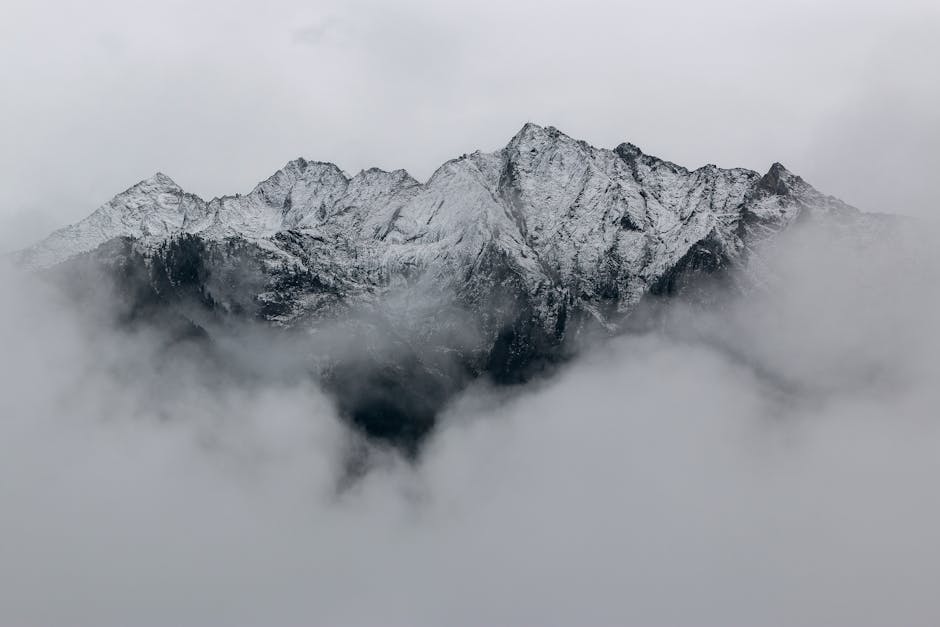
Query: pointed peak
277, 186
159, 178
531, 136
301, 165
530, 127
778, 180
628, 151
302, 168
632, 154
528, 133
159, 181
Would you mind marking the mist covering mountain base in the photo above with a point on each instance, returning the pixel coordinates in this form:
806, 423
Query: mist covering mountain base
395, 295
758, 445
765, 457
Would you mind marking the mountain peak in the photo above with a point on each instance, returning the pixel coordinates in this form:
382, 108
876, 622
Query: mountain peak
530, 127
155, 184
161, 179
298, 164
778, 180
628, 151
532, 136
535, 243
548, 183
528, 133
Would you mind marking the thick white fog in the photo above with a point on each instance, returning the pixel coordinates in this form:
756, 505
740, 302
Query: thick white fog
772, 463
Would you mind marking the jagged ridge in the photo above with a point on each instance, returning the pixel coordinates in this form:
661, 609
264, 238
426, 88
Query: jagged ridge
489, 267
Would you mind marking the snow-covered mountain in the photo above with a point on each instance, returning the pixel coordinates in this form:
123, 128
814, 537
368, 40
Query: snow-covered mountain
490, 267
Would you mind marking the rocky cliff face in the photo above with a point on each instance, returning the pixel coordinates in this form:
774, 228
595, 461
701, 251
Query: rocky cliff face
493, 267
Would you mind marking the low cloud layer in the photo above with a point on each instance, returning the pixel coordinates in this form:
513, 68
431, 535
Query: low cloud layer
771, 462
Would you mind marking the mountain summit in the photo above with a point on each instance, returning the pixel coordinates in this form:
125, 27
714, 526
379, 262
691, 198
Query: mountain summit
489, 268
543, 191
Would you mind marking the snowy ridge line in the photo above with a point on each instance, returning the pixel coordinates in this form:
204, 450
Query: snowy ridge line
563, 182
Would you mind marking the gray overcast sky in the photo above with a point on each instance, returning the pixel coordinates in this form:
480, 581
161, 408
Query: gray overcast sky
100, 94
